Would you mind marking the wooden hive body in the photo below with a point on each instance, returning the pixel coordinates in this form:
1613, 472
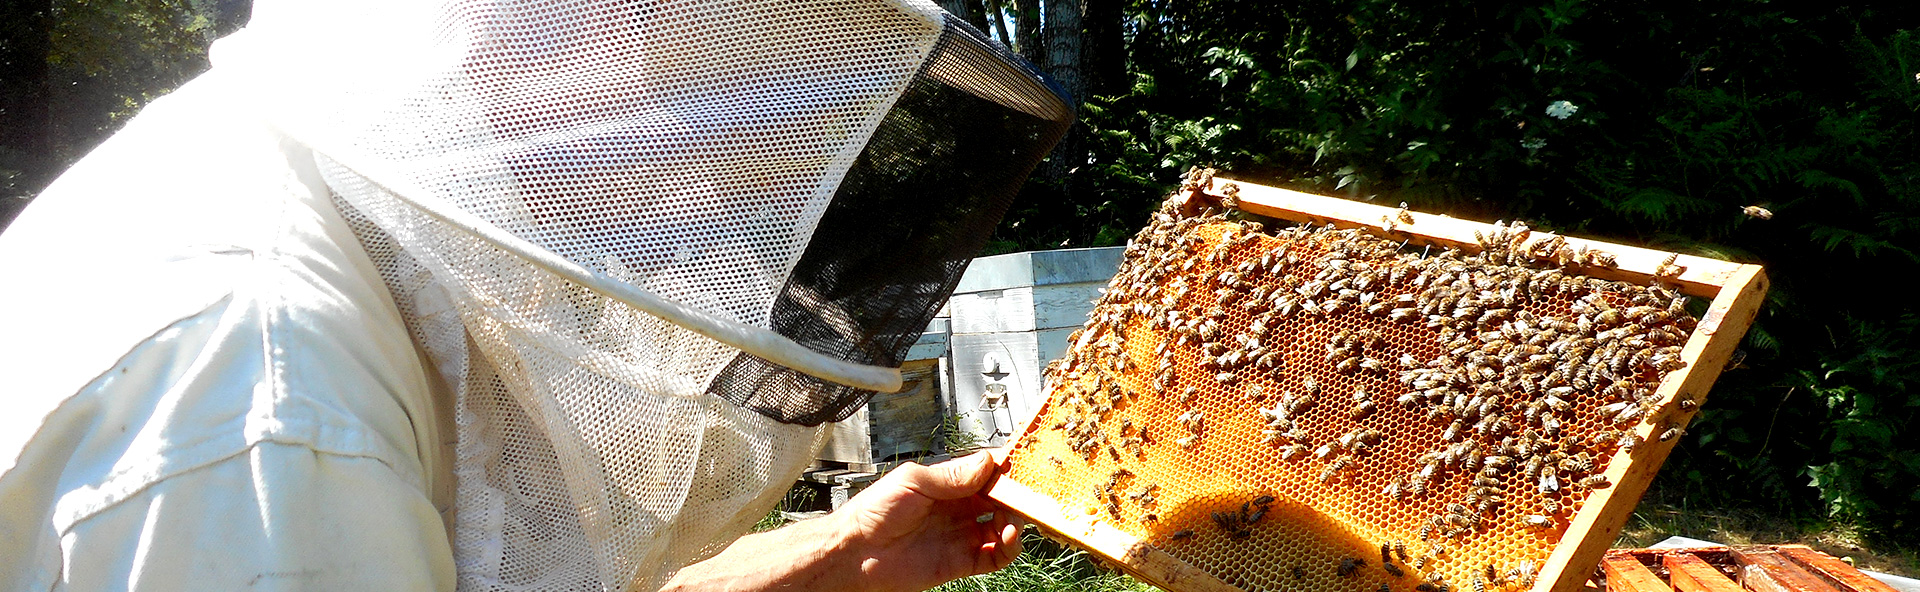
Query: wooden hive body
1178, 487
1759, 568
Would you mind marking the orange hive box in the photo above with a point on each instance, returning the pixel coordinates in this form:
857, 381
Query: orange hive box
1756, 568
1370, 400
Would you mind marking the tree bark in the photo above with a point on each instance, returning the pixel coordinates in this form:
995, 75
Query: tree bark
998, 8
977, 14
954, 7
1063, 47
1026, 31
1064, 62
973, 12
1103, 52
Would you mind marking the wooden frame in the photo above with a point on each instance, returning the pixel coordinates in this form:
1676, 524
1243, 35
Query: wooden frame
1759, 568
1736, 291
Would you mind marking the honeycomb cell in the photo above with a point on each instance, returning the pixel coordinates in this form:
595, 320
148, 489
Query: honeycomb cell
1273, 406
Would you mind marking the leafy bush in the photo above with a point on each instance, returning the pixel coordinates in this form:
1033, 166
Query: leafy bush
1636, 121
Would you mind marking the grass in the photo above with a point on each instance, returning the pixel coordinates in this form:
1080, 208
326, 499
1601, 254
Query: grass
1048, 566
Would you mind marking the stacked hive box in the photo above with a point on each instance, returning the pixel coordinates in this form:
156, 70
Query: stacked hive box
1318, 408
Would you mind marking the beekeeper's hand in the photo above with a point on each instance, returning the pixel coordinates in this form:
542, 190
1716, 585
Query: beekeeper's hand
913, 529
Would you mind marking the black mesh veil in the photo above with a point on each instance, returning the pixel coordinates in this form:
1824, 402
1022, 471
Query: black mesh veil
914, 208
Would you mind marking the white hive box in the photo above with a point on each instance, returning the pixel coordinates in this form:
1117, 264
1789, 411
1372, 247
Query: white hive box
901, 424
1011, 315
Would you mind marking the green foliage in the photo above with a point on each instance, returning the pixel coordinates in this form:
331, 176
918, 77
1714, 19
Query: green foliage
955, 438
110, 58
1047, 566
1636, 121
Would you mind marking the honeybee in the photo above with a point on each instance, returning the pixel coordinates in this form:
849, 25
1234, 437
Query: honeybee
1350, 565
1361, 409
1672, 431
1181, 534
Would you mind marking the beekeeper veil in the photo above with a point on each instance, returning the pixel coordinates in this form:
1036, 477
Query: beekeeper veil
649, 245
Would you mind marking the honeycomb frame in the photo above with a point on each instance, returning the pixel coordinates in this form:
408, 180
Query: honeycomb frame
1149, 551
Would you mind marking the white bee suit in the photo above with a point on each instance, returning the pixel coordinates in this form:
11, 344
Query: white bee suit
487, 295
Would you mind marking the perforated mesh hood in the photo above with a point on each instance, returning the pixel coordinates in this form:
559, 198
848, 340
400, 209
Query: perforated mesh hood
587, 210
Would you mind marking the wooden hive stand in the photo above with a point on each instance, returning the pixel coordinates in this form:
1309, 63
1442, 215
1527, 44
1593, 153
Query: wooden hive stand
1762, 568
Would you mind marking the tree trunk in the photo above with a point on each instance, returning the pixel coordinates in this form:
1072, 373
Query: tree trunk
1063, 47
1063, 63
25, 147
973, 12
1103, 52
955, 7
977, 14
999, 10
1026, 31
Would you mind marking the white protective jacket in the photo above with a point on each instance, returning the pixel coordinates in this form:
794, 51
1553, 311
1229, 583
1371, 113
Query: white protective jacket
489, 295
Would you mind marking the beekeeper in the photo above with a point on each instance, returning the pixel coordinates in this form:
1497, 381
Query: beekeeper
499, 295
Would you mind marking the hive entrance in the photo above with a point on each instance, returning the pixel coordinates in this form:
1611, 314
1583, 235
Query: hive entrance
1312, 408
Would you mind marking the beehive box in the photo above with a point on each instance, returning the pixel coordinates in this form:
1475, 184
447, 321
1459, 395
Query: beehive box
1755, 568
1370, 400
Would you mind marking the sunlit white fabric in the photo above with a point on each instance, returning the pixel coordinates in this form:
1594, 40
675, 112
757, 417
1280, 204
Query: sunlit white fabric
437, 161
209, 388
